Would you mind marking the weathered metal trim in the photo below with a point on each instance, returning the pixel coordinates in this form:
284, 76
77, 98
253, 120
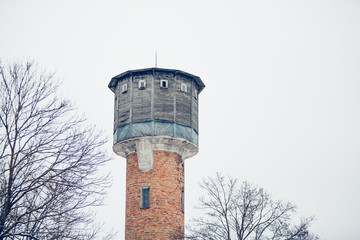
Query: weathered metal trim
115, 79
155, 128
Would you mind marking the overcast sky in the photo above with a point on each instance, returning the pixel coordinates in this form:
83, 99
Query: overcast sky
281, 107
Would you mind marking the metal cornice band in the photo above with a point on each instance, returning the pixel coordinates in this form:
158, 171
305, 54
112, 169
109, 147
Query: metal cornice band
155, 128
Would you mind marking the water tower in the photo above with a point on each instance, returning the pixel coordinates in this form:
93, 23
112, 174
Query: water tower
155, 129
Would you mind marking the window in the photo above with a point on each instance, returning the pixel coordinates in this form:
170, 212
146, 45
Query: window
196, 94
183, 87
124, 88
182, 201
164, 83
145, 197
142, 84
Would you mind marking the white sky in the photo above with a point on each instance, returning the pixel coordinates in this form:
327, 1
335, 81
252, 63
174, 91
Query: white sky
281, 107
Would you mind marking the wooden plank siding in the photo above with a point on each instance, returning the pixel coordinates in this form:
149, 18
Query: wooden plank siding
141, 100
154, 102
183, 102
194, 107
163, 97
123, 104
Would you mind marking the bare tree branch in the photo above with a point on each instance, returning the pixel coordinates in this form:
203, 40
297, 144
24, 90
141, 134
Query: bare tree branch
244, 212
49, 160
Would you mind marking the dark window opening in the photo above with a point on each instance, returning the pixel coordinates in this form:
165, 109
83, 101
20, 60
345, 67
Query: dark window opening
142, 84
145, 197
124, 88
164, 83
182, 201
183, 87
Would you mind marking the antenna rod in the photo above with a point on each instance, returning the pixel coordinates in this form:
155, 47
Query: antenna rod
155, 58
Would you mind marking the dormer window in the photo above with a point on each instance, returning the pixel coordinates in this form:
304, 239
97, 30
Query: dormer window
164, 83
142, 84
183, 87
124, 88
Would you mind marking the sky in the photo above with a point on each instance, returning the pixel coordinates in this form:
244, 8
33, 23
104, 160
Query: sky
281, 107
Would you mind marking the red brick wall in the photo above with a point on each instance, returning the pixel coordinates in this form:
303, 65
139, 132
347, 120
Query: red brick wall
164, 219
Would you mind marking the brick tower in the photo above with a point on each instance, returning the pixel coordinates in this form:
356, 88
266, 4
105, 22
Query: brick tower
155, 129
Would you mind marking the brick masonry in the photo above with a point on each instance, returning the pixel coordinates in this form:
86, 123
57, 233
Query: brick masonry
165, 218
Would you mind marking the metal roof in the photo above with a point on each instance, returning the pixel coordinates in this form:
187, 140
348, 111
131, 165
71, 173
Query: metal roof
115, 79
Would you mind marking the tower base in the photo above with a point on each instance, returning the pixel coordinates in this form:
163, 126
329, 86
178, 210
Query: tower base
163, 219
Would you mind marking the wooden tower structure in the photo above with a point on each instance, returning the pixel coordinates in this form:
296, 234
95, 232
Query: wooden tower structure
155, 129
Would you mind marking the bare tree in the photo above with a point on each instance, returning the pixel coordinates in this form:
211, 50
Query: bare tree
244, 212
49, 160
